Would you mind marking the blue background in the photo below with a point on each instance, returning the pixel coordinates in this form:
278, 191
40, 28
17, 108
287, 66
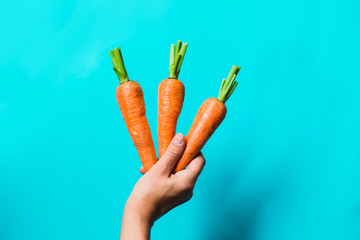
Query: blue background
283, 165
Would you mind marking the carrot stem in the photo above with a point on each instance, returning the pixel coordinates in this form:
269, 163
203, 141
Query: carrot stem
228, 85
119, 66
176, 58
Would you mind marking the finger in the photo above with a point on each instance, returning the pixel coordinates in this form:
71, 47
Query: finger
173, 153
142, 170
195, 167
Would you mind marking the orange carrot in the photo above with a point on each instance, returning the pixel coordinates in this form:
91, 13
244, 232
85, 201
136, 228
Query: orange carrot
210, 115
171, 98
130, 98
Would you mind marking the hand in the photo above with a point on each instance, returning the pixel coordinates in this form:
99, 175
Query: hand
158, 191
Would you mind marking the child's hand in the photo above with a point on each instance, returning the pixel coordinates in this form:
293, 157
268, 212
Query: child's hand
158, 191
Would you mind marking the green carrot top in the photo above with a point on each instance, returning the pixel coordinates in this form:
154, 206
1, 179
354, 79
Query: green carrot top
176, 58
119, 66
228, 85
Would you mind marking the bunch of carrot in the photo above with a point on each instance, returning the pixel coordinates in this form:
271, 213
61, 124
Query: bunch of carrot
171, 94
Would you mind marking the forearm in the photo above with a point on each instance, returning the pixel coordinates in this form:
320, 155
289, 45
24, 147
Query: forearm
134, 225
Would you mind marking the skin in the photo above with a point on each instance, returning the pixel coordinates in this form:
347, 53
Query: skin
210, 115
130, 98
171, 98
158, 191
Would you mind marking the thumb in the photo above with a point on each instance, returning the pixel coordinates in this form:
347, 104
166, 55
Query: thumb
173, 153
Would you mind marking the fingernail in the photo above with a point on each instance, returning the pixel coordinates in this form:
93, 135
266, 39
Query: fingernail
178, 139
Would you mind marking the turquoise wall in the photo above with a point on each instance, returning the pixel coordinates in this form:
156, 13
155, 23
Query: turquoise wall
283, 165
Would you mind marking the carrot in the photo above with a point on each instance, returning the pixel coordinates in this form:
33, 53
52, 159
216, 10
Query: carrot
171, 97
130, 98
209, 116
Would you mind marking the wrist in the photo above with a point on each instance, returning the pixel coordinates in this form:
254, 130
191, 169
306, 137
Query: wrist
135, 224
135, 207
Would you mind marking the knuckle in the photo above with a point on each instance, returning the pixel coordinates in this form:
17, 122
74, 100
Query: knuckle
156, 170
186, 187
173, 151
187, 197
189, 187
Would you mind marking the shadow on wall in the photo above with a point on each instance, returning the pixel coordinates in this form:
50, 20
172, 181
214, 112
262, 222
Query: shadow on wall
236, 204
